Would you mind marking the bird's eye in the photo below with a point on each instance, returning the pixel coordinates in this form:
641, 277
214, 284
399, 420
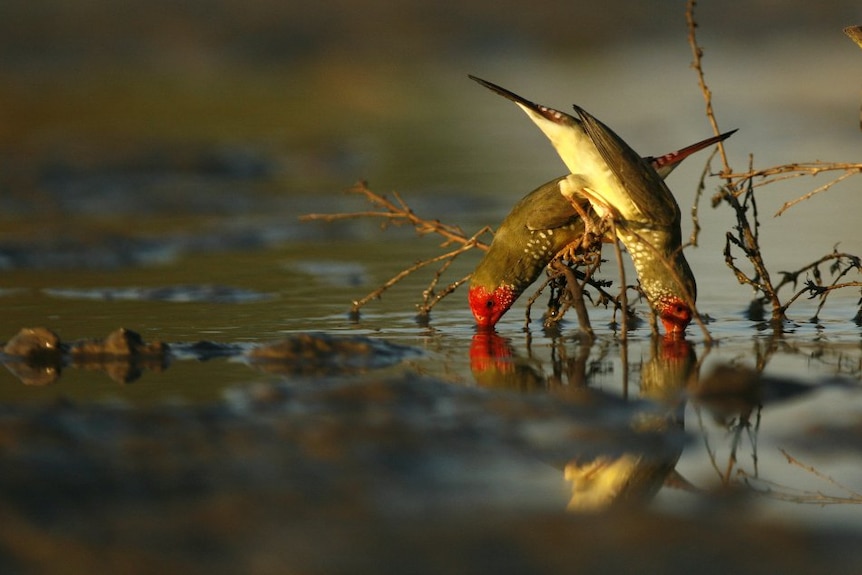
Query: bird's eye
489, 304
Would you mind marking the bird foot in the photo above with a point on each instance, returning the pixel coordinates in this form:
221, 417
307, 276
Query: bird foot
594, 232
591, 239
571, 253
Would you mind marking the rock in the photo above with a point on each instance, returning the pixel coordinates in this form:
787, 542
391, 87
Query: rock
34, 342
322, 353
119, 343
34, 355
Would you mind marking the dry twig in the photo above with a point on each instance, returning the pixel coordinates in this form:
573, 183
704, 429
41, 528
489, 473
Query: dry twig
697, 54
746, 236
790, 171
400, 213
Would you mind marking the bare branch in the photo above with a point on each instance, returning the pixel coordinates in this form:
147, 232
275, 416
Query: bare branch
428, 304
402, 214
697, 55
406, 272
794, 170
822, 188
577, 298
624, 302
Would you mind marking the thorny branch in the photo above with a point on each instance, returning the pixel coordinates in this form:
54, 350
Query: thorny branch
430, 298
571, 271
695, 207
569, 274
576, 299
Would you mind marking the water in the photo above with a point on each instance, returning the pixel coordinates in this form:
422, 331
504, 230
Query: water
187, 233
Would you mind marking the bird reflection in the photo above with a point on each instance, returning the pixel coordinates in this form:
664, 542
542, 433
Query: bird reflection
622, 466
495, 365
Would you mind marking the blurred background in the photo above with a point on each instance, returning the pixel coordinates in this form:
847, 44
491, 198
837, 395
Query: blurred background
330, 92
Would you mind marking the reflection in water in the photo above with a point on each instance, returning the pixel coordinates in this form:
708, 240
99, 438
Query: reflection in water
36, 356
734, 397
727, 403
619, 449
624, 474
495, 365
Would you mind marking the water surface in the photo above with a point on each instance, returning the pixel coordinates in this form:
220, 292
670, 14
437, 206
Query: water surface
177, 217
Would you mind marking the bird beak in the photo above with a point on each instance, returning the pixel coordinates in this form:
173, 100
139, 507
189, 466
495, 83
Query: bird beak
673, 328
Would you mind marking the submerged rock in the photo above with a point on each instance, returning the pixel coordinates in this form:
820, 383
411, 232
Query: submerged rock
322, 353
119, 343
34, 355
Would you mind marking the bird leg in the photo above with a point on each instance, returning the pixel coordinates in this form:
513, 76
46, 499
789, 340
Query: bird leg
590, 228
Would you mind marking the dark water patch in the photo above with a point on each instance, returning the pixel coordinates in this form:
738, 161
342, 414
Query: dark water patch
113, 251
337, 273
69, 253
834, 437
138, 180
178, 293
734, 384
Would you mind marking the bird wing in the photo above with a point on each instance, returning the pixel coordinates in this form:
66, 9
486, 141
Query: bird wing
639, 181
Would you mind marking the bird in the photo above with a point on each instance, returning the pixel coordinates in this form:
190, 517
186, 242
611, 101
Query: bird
607, 180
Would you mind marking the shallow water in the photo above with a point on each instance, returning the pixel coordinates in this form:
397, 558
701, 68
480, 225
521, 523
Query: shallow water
198, 240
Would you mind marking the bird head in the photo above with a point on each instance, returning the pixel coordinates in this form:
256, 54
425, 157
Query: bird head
671, 290
488, 305
675, 314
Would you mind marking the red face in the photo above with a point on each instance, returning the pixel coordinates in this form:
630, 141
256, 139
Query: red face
675, 315
489, 306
